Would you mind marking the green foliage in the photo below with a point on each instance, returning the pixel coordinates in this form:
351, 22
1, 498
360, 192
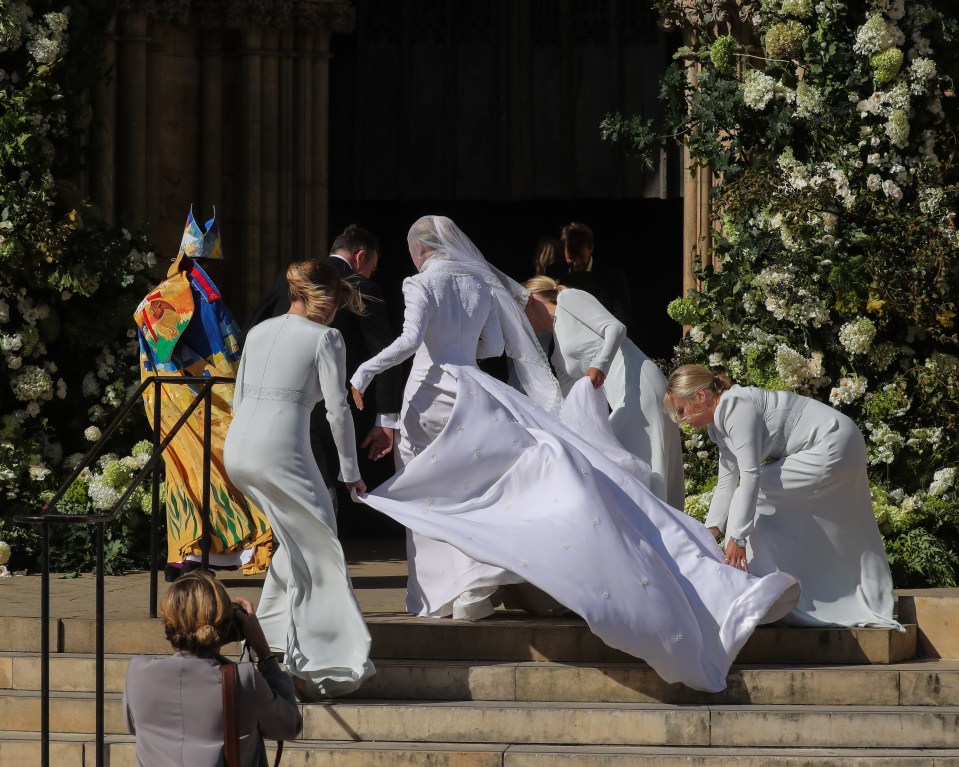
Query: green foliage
637, 134
69, 283
837, 253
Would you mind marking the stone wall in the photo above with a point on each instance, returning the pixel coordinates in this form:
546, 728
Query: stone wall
225, 103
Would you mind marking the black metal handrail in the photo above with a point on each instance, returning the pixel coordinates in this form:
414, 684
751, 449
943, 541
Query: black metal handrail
49, 516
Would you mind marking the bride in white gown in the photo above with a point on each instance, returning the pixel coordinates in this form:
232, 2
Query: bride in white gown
517, 496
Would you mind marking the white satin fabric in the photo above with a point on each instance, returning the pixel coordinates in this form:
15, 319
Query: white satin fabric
587, 335
793, 481
515, 490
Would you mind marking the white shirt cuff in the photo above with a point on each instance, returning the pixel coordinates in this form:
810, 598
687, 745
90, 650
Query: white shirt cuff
388, 420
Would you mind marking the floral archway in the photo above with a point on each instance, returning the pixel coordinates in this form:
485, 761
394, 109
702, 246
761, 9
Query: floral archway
827, 128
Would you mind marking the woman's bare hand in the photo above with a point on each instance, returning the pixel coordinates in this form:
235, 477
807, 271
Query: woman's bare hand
250, 628
736, 556
597, 376
356, 488
357, 397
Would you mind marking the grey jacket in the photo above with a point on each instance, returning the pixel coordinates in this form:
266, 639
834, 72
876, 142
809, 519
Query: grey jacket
174, 706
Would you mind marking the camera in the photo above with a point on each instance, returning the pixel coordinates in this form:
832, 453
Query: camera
233, 631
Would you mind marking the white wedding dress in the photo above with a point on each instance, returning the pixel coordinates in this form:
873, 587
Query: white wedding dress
793, 481
307, 610
501, 492
587, 335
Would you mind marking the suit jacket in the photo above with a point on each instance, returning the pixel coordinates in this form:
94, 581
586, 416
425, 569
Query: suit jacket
366, 335
609, 285
174, 706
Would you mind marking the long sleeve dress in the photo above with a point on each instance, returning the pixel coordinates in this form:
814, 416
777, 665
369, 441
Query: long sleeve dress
587, 335
522, 497
449, 321
307, 610
793, 481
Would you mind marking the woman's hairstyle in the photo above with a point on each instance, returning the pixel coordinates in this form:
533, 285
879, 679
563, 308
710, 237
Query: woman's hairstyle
544, 286
576, 236
320, 287
549, 250
197, 614
685, 381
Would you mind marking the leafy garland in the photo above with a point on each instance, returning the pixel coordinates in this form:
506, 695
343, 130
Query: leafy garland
831, 134
69, 283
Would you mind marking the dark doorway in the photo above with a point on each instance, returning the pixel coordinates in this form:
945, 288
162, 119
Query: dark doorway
488, 111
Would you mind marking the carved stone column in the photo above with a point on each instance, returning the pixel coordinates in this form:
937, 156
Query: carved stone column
251, 157
211, 118
728, 18
103, 150
132, 90
226, 103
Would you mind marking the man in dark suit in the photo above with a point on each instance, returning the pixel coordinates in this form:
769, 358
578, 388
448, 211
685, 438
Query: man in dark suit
355, 254
607, 283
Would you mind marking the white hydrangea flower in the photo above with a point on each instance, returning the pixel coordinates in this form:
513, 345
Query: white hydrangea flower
758, 89
929, 436
33, 383
809, 100
942, 481
11, 343
790, 366
897, 128
921, 71
857, 335
92, 433
873, 36
102, 495
885, 441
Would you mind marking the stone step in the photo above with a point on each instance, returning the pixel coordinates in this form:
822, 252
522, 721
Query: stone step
20, 749
581, 724
914, 683
501, 638
637, 724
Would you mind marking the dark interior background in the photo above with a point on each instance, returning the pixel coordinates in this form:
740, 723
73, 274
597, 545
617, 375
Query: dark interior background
488, 111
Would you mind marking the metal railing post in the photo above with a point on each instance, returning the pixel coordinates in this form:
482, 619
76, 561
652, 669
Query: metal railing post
207, 456
100, 744
44, 644
49, 516
155, 502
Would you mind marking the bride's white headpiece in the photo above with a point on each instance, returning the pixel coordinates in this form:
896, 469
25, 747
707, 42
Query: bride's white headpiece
437, 237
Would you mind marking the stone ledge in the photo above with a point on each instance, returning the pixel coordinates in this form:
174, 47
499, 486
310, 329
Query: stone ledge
936, 611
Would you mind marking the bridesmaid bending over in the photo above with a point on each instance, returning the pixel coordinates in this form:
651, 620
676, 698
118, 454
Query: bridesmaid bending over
793, 486
591, 342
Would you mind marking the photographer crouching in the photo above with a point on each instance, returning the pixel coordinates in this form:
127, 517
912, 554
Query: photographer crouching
196, 707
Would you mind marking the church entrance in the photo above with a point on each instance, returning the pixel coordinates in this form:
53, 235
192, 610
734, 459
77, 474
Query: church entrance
489, 111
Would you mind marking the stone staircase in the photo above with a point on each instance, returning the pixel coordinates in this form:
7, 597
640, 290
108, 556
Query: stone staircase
518, 692
512, 691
